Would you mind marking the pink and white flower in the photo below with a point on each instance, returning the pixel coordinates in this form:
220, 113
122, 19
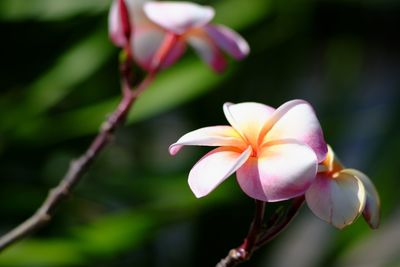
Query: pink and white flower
339, 195
152, 22
274, 152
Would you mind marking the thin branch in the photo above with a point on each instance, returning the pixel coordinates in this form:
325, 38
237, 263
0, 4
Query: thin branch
75, 172
80, 166
257, 237
244, 251
281, 223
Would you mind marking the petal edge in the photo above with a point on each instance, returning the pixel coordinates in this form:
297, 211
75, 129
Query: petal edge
214, 168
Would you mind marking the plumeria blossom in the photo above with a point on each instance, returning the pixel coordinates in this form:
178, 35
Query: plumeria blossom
152, 22
274, 152
339, 195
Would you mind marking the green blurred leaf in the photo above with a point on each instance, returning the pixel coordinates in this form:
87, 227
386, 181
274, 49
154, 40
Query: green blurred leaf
184, 81
42, 253
115, 233
80, 62
240, 14
49, 9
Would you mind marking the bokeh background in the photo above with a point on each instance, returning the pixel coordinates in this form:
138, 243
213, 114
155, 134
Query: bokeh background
59, 80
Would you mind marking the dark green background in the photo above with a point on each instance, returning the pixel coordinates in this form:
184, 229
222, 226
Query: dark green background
59, 80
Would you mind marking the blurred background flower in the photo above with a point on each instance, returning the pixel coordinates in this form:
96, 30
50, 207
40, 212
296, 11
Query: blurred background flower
59, 79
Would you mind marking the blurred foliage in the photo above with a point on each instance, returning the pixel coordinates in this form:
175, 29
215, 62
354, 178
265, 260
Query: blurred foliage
59, 80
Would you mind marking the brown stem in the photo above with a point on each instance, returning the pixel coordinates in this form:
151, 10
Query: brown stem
79, 167
244, 251
256, 237
280, 224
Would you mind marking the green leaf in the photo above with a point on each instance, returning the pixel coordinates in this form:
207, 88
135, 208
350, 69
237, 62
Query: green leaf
80, 62
184, 81
43, 253
115, 233
239, 14
49, 9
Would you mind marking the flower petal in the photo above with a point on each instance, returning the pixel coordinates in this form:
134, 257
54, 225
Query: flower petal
229, 40
296, 120
115, 30
337, 200
331, 162
146, 41
207, 51
282, 171
174, 53
138, 17
371, 211
248, 119
214, 168
178, 17
209, 136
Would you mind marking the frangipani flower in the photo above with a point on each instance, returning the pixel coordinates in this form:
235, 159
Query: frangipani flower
340, 195
274, 152
153, 21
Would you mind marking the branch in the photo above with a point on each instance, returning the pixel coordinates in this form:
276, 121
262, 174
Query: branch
281, 223
244, 251
80, 166
257, 237
74, 174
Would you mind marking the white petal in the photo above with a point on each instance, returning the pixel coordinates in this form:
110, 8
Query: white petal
282, 171
209, 136
178, 17
338, 200
371, 211
138, 17
296, 119
248, 119
229, 40
214, 168
207, 51
147, 40
115, 30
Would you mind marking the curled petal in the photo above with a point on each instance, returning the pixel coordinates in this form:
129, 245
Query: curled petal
337, 200
115, 27
209, 136
371, 211
296, 119
214, 168
282, 171
248, 118
331, 163
208, 52
229, 40
178, 17
147, 40
174, 54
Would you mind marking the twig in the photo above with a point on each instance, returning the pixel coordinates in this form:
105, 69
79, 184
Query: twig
79, 167
244, 251
75, 172
257, 237
281, 223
